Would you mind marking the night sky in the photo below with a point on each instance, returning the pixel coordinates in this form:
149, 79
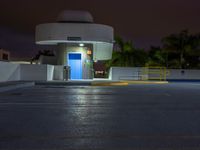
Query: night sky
143, 21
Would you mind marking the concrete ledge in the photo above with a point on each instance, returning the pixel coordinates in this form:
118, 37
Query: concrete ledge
146, 82
7, 86
97, 83
64, 83
183, 80
109, 83
126, 82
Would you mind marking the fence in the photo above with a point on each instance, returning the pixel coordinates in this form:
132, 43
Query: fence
138, 73
154, 73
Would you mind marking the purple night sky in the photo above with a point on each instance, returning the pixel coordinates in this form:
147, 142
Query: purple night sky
145, 22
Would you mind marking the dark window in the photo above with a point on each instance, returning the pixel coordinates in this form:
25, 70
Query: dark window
74, 38
5, 57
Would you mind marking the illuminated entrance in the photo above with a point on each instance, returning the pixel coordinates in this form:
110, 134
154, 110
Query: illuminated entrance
74, 61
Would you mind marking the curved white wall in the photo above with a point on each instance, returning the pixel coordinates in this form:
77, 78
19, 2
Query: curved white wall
102, 51
54, 33
101, 36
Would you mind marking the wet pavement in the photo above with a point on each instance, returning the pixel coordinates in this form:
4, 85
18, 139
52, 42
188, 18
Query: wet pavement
113, 118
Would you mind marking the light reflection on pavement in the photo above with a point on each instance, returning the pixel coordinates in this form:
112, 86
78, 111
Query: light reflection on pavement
86, 117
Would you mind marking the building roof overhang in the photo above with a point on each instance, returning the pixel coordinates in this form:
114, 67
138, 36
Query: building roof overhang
55, 33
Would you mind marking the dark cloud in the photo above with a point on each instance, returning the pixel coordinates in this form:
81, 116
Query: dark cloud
143, 21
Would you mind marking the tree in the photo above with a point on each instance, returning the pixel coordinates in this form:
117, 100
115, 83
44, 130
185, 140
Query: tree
126, 55
181, 44
44, 53
157, 57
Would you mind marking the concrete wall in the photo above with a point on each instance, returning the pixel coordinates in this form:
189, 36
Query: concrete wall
102, 51
28, 72
36, 72
134, 73
52, 60
58, 73
101, 36
9, 71
53, 33
124, 73
184, 74
50, 72
33, 72
60, 54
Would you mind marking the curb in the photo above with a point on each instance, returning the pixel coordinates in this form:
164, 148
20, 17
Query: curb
147, 82
109, 83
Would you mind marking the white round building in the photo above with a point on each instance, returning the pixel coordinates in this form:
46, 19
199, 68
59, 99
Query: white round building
79, 40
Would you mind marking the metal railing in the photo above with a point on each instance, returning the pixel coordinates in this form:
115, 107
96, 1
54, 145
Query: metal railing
154, 73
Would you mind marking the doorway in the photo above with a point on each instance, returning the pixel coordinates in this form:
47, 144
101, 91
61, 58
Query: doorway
75, 63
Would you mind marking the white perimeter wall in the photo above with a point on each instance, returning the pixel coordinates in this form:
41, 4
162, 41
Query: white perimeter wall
33, 72
132, 73
26, 72
36, 72
50, 72
9, 71
58, 72
124, 73
187, 75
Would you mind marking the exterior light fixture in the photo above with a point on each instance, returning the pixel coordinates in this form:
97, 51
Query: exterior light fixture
81, 44
89, 52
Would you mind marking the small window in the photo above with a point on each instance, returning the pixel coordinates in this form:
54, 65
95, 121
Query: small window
5, 56
74, 38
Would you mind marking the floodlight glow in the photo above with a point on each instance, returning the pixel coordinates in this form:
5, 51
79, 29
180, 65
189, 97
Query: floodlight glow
81, 45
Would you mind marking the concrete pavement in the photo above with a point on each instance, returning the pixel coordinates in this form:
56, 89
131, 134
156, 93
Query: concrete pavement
140, 116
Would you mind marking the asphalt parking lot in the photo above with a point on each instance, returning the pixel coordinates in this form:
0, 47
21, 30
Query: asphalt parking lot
164, 116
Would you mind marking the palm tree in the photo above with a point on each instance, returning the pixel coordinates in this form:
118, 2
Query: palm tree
121, 54
126, 55
181, 44
157, 57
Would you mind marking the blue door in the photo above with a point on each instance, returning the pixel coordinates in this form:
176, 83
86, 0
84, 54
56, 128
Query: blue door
74, 61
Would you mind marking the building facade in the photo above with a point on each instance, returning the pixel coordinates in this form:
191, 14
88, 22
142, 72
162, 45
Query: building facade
4, 55
80, 42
